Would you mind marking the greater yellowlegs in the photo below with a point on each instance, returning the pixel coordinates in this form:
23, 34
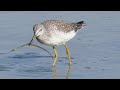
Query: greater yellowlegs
56, 32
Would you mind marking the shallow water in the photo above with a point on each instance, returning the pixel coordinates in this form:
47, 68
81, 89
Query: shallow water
95, 50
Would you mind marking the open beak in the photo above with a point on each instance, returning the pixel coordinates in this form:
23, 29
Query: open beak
32, 39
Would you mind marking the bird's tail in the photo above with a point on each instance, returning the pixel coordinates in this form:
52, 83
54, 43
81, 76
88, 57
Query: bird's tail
81, 22
79, 25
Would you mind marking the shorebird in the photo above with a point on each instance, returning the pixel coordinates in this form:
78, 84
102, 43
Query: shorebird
56, 32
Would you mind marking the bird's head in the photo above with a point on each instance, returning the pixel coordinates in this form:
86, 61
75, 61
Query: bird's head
38, 30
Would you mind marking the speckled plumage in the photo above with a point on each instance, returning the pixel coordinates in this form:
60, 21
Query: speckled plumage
61, 25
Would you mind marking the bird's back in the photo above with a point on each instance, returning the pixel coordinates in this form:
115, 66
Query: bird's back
60, 25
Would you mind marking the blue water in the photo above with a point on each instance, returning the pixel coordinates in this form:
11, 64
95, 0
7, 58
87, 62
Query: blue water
95, 50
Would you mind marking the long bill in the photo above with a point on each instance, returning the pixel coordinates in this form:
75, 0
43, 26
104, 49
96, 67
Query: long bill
28, 44
32, 39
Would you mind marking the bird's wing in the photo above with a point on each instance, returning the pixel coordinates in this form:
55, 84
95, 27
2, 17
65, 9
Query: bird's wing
61, 25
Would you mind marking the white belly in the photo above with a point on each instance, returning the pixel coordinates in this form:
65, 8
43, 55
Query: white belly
56, 38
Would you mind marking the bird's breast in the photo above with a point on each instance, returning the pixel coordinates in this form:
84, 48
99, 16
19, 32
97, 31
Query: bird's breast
56, 38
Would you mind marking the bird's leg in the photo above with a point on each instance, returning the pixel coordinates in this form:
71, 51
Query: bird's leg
55, 57
68, 54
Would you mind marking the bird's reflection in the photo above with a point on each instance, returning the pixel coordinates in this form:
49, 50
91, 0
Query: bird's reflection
67, 74
55, 72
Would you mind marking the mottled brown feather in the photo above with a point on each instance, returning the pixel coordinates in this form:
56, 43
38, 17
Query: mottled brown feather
61, 25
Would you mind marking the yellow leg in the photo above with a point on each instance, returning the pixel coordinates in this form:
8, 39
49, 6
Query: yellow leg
68, 54
56, 56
